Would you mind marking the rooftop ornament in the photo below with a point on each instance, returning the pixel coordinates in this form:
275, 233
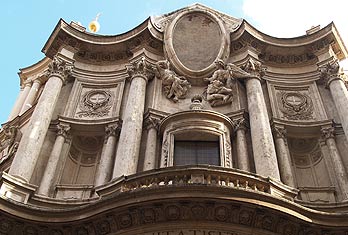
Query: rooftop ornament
94, 26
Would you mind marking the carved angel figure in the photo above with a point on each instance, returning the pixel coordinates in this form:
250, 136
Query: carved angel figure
174, 87
219, 90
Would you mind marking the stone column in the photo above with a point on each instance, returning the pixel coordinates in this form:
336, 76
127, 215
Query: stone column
31, 96
104, 170
151, 124
243, 160
284, 158
333, 75
340, 171
129, 143
50, 173
261, 135
29, 148
20, 101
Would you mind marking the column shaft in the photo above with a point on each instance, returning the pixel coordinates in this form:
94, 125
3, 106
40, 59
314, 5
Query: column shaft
262, 141
242, 150
104, 170
129, 143
31, 96
340, 96
33, 138
284, 158
150, 152
340, 171
20, 101
48, 178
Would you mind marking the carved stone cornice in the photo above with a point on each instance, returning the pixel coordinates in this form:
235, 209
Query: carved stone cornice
331, 71
63, 130
59, 67
141, 68
327, 133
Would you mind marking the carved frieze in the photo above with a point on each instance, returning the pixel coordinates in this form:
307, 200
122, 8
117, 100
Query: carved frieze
174, 87
295, 105
245, 41
188, 213
95, 103
287, 59
102, 57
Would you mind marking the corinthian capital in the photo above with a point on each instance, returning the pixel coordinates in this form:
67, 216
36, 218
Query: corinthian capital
112, 130
63, 130
254, 68
327, 133
59, 67
279, 132
141, 68
331, 71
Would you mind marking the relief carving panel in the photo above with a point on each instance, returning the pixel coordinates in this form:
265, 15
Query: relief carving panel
296, 103
93, 103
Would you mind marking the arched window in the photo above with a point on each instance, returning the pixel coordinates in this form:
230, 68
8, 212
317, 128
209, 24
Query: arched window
195, 138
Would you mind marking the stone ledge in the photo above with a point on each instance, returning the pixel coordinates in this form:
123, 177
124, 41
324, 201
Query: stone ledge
15, 188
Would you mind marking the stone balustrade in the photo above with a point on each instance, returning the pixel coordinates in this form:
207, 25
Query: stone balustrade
197, 175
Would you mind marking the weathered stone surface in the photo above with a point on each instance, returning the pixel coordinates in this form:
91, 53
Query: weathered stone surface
197, 40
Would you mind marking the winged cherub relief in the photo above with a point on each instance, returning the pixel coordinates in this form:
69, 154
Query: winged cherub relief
174, 87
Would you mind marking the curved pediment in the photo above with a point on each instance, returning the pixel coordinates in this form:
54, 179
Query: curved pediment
165, 32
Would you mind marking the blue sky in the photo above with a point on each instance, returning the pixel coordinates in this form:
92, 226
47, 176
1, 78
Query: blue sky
28, 24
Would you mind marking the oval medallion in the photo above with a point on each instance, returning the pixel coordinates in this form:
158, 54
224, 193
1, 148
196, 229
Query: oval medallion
194, 40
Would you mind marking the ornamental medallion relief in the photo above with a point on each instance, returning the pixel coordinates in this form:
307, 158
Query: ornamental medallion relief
194, 40
295, 105
95, 104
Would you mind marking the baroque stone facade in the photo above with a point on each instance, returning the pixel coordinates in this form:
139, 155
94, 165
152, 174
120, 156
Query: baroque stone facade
193, 123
